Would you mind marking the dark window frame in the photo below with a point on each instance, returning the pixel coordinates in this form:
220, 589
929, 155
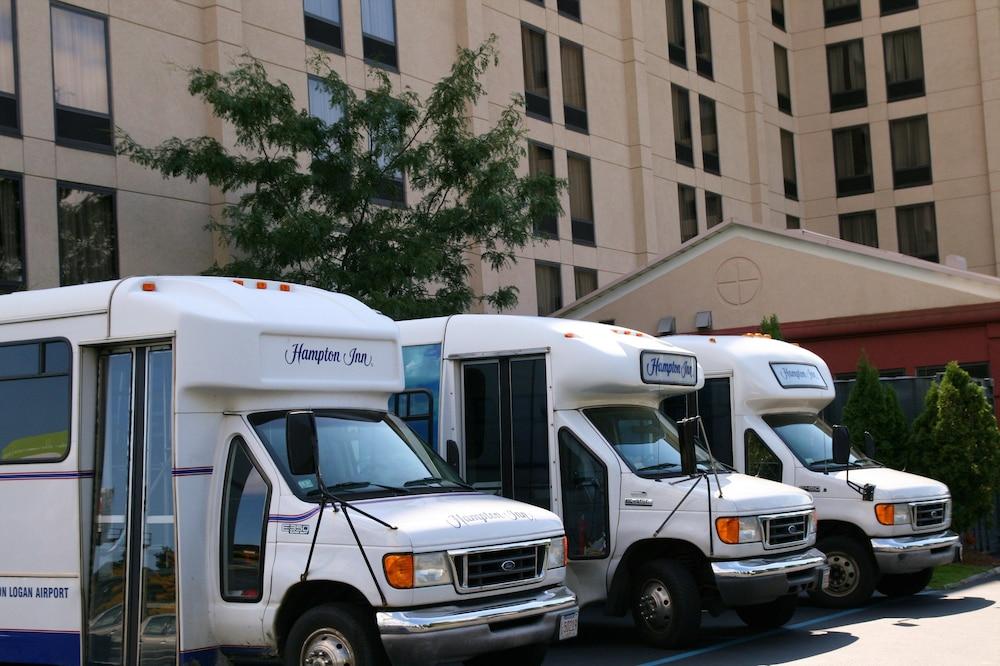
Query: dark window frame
589, 271
539, 230
683, 154
852, 99
849, 217
9, 286
586, 238
574, 118
41, 342
533, 99
370, 45
558, 271
857, 184
887, 7
239, 442
564, 7
791, 187
703, 64
680, 211
722, 215
911, 88
96, 189
784, 99
710, 161
607, 490
15, 98
778, 17
840, 16
914, 176
899, 240
317, 43
80, 144
746, 455
677, 53
792, 221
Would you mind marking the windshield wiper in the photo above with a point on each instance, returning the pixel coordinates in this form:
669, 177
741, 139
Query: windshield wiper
662, 465
355, 485
830, 461
427, 480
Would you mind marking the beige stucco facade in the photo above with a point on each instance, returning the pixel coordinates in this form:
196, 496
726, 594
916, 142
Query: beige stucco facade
630, 143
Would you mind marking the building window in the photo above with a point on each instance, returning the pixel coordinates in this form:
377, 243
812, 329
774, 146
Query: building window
321, 104
676, 41
713, 209
323, 26
9, 122
782, 79
584, 280
688, 210
852, 157
548, 287
570, 8
836, 12
536, 72
581, 202
80, 71
778, 13
845, 68
709, 135
11, 235
378, 32
88, 239
911, 152
541, 161
916, 231
860, 228
893, 6
702, 40
574, 87
788, 165
391, 187
683, 143
792, 222
904, 64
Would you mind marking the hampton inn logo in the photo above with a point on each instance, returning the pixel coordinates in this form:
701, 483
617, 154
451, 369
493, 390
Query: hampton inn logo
299, 353
663, 368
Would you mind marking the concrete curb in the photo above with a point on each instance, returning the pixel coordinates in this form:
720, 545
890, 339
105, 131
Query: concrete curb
972, 580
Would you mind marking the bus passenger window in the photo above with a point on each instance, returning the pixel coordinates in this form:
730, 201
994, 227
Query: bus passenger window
34, 401
761, 461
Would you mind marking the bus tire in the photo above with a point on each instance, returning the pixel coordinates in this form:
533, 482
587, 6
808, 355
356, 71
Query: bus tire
905, 585
770, 615
332, 634
526, 655
853, 573
666, 604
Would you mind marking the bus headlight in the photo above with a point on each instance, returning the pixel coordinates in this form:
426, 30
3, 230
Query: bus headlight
893, 514
738, 530
406, 570
557, 553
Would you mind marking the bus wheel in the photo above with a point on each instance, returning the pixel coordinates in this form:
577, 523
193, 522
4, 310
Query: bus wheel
666, 605
771, 615
331, 635
903, 585
852, 573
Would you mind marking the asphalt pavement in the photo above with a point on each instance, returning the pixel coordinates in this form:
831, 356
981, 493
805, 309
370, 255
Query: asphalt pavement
960, 626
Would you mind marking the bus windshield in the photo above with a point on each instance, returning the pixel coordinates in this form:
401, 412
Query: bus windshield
810, 438
361, 453
645, 439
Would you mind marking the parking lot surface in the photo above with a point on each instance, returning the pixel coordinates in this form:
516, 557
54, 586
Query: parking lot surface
961, 626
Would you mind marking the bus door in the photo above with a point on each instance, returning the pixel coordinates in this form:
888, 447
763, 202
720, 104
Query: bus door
130, 613
505, 414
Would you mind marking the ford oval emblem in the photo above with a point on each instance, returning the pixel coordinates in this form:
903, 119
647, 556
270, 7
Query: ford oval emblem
507, 565
794, 529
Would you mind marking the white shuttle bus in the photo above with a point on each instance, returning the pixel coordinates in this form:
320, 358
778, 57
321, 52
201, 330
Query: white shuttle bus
196, 470
564, 415
879, 528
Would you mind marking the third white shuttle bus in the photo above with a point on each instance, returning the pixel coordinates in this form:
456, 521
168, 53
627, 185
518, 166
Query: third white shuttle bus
880, 528
563, 415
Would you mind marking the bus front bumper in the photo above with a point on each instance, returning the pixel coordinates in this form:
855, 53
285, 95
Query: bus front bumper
458, 632
762, 579
897, 555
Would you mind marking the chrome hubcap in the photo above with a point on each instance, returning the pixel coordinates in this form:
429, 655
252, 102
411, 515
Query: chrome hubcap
843, 574
327, 647
655, 608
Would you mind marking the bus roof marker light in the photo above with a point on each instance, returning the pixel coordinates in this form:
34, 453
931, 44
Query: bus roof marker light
261, 284
149, 286
285, 287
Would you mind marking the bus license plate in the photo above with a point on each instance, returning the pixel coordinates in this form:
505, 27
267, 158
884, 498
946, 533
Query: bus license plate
568, 625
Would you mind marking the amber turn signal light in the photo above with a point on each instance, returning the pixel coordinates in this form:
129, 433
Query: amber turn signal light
728, 529
399, 570
886, 513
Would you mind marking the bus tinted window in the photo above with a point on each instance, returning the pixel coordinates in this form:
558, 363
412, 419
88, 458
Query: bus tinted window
34, 402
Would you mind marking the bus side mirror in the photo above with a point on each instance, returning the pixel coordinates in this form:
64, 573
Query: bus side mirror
688, 431
869, 445
300, 441
841, 445
451, 454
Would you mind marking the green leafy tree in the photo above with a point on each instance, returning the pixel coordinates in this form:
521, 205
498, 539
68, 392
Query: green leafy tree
770, 326
874, 407
956, 441
320, 203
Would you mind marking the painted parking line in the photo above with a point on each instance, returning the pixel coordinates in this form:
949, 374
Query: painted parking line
747, 639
